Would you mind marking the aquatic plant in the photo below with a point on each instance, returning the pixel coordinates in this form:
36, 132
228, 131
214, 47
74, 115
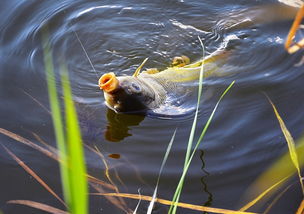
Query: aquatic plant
159, 174
51, 152
280, 171
101, 186
190, 155
69, 142
69, 152
290, 143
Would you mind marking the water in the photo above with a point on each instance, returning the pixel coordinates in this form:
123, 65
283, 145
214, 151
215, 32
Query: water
242, 141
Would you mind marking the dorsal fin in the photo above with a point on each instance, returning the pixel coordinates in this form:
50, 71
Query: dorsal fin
136, 73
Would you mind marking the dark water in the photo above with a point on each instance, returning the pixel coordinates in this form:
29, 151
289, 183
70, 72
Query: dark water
244, 137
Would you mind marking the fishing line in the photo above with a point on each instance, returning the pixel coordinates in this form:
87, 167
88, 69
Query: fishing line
85, 53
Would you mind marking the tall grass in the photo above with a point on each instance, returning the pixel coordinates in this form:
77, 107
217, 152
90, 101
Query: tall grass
179, 188
160, 172
69, 142
290, 143
282, 170
189, 154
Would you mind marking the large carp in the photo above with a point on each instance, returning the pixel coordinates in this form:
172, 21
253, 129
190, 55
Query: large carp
153, 89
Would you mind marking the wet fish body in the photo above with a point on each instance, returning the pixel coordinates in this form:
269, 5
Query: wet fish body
152, 90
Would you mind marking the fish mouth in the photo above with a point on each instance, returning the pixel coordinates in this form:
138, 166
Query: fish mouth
108, 82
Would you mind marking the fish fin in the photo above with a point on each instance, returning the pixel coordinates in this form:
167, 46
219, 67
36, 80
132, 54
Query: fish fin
151, 71
180, 61
137, 72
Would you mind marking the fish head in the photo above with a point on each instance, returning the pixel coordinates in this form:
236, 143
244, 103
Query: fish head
126, 94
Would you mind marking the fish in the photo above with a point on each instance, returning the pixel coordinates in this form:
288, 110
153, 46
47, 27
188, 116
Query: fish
151, 89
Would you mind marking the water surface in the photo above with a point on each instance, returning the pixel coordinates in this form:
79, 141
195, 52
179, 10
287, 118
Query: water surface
242, 141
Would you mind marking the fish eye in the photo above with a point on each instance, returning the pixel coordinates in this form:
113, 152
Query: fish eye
136, 87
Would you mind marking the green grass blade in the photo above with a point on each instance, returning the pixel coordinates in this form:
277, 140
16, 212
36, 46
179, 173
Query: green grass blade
192, 132
159, 174
76, 162
72, 165
56, 115
200, 89
290, 143
191, 136
178, 190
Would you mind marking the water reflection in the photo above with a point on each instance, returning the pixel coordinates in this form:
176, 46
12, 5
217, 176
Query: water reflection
118, 125
114, 156
205, 186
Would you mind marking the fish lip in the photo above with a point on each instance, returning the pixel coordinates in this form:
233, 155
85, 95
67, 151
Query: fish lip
108, 82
